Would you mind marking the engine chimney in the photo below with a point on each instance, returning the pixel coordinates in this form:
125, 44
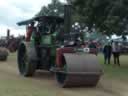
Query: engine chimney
67, 19
8, 34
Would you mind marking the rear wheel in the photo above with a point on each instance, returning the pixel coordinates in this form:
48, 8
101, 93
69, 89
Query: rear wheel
26, 66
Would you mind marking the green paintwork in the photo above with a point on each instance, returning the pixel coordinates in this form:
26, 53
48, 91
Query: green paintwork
49, 41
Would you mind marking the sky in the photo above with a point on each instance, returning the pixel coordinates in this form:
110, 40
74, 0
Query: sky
13, 11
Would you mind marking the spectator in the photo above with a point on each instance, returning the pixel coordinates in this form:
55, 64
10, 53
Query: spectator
93, 48
29, 31
107, 51
116, 52
91, 45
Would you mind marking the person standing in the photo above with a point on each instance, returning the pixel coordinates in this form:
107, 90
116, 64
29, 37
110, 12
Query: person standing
107, 51
93, 47
30, 29
116, 53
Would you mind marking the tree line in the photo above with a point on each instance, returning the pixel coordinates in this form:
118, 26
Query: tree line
107, 16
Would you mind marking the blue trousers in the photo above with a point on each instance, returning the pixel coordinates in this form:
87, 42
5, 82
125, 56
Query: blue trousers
107, 58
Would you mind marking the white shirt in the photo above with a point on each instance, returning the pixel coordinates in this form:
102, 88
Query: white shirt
115, 47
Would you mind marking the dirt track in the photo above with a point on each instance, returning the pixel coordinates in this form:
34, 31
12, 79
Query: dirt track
43, 84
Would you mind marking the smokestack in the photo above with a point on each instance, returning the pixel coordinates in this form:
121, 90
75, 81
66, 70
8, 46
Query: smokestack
8, 33
67, 19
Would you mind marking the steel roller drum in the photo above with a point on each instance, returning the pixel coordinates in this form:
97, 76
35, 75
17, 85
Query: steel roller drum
81, 70
3, 54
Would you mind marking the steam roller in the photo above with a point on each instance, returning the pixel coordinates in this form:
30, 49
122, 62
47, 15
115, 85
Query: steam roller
49, 45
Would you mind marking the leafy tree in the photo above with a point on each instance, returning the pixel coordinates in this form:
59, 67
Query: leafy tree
109, 16
124, 38
55, 8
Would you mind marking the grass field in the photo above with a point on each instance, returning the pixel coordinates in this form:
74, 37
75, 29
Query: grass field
115, 71
114, 82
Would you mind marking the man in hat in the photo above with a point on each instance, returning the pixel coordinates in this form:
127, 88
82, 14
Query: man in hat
30, 29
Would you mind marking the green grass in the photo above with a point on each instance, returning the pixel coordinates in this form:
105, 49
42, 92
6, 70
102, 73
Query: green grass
112, 71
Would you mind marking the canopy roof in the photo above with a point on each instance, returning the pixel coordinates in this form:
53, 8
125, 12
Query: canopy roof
49, 19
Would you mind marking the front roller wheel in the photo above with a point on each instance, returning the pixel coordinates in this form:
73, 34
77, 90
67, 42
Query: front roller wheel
79, 70
26, 66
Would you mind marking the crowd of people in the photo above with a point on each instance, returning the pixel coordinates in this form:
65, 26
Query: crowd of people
112, 48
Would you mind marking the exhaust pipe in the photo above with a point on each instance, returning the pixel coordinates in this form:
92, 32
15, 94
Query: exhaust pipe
67, 19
